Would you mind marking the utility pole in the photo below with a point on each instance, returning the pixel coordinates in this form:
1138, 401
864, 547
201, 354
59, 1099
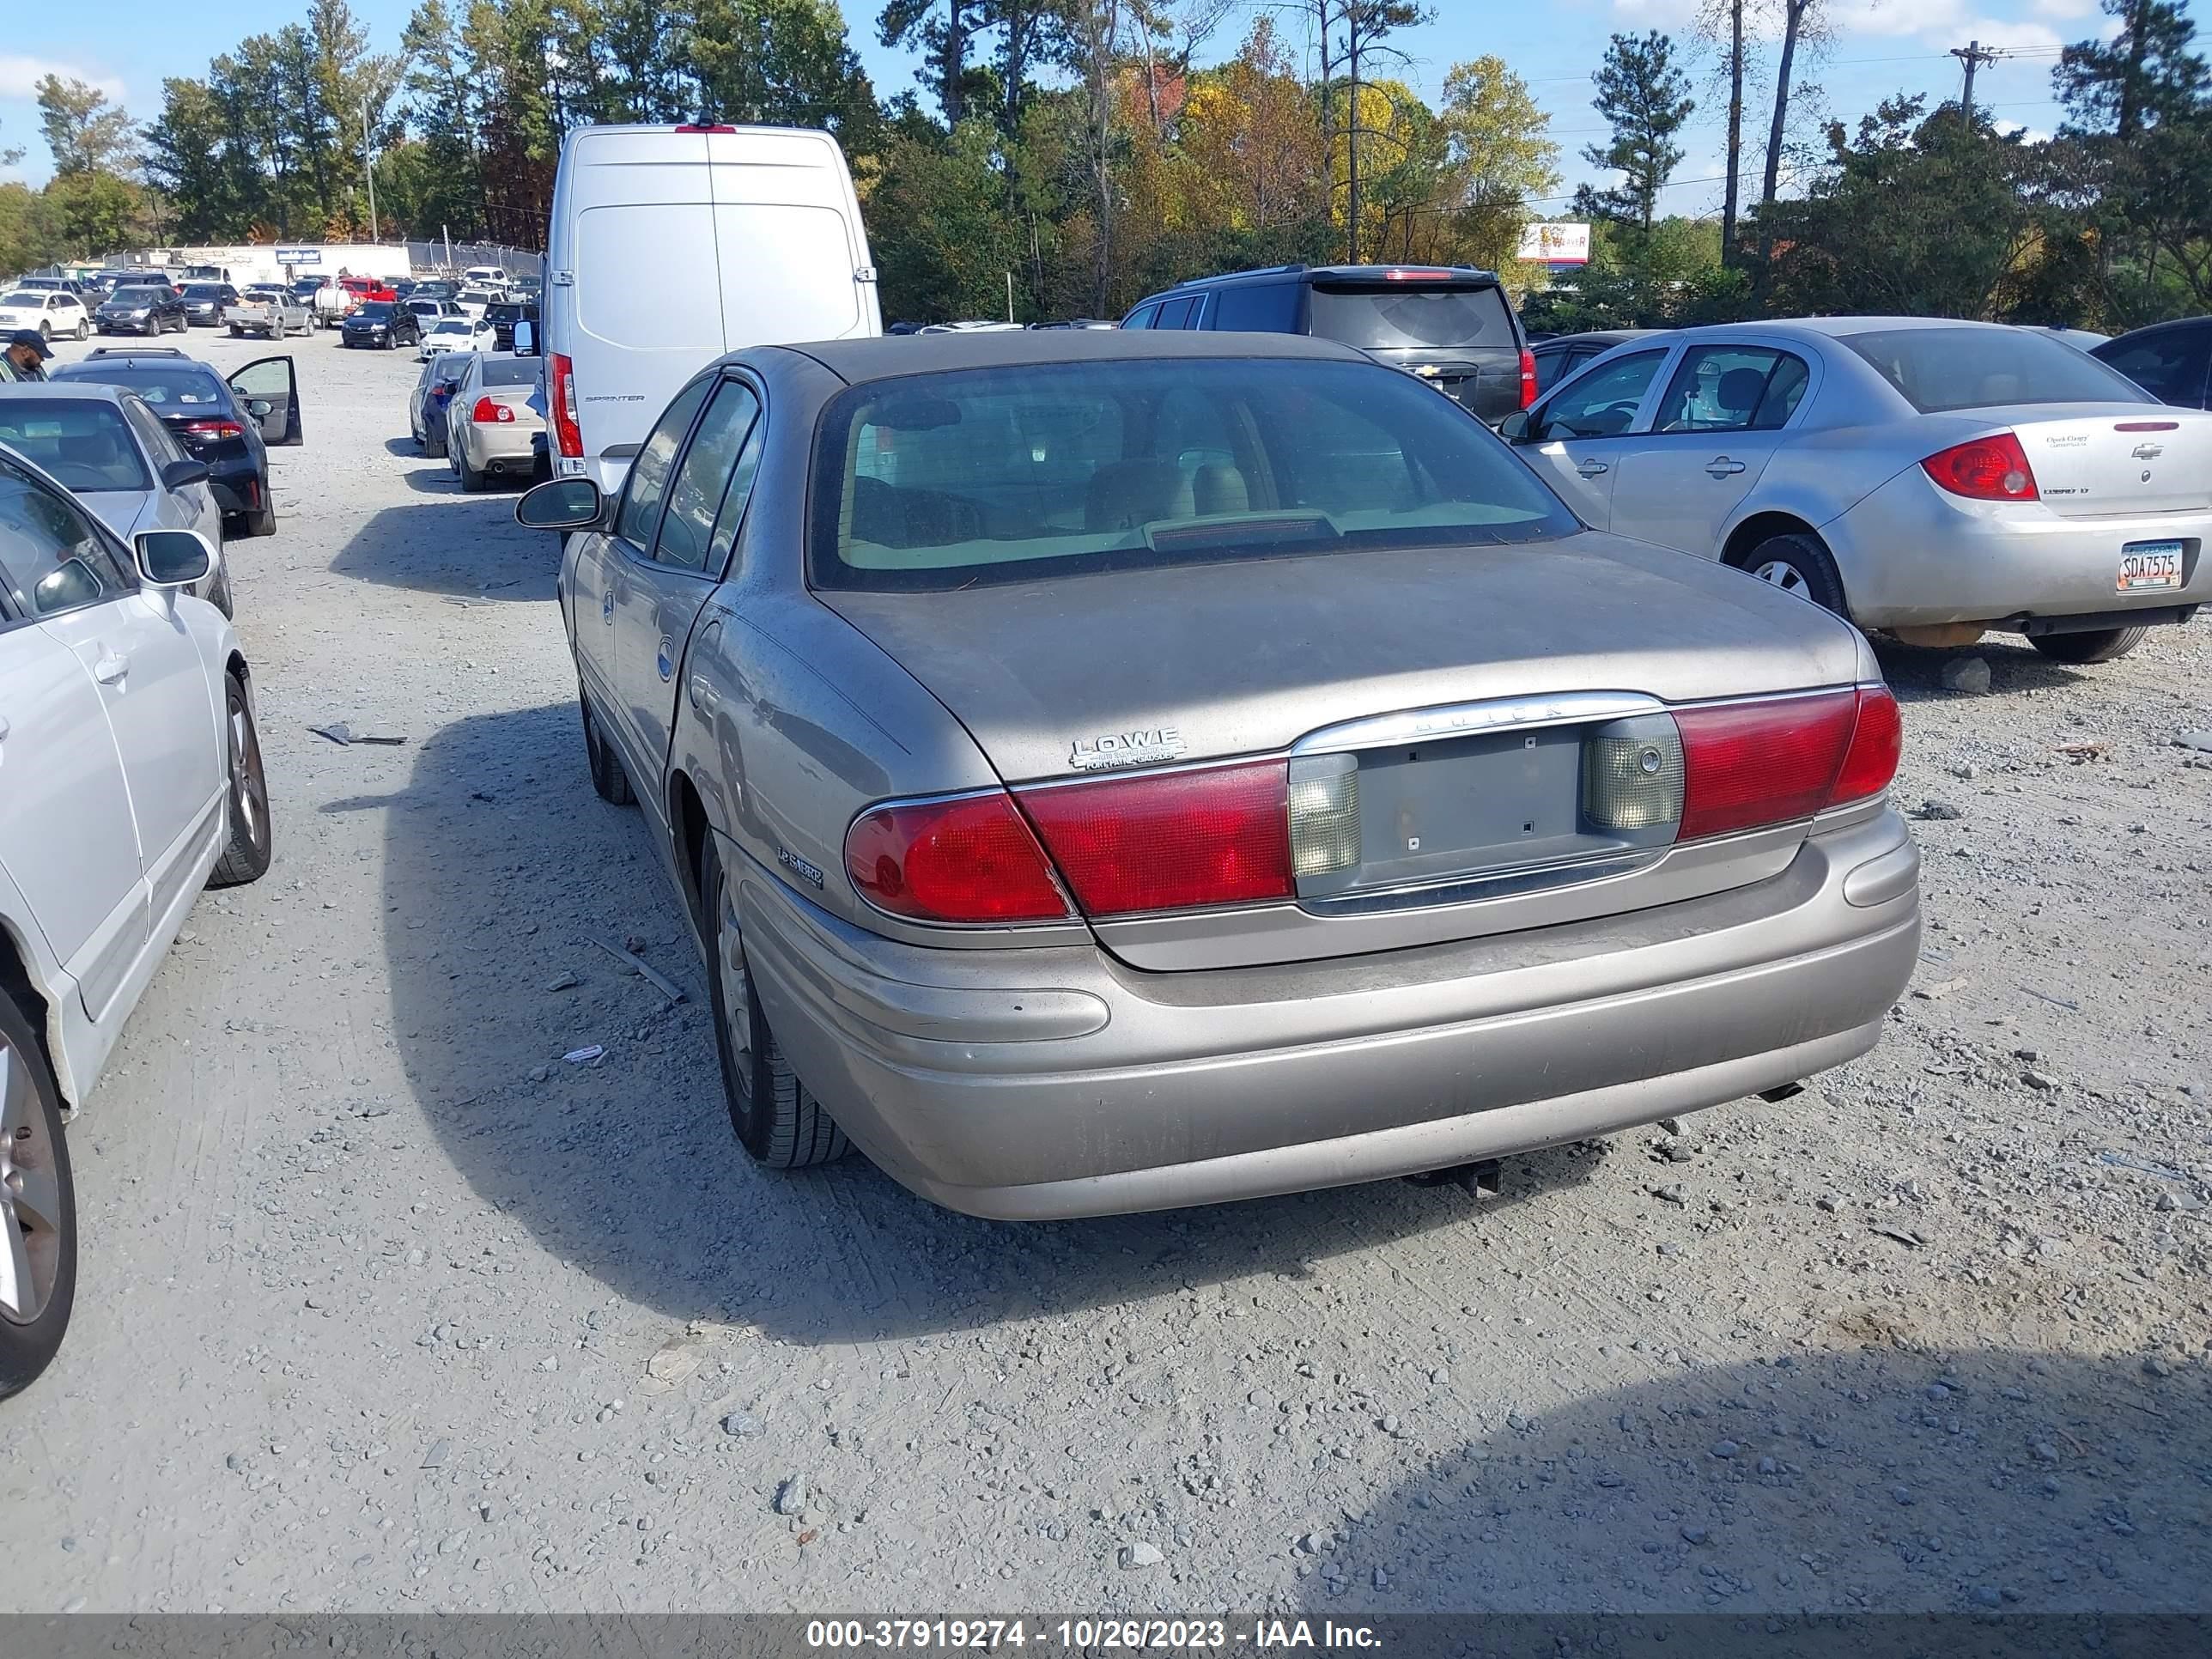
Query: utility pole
1973, 55
368, 167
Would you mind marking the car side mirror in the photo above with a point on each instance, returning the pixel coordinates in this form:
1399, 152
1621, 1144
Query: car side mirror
1515, 427
174, 558
177, 474
560, 504
525, 339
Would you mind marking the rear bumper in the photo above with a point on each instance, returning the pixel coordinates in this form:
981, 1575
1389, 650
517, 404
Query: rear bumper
502, 447
1027, 1085
1909, 555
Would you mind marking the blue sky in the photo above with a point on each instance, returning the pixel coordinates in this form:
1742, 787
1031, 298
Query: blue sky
1876, 47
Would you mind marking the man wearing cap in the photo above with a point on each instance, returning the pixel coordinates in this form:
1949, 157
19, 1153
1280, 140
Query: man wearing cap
27, 353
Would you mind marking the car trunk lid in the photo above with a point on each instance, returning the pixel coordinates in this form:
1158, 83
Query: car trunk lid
1460, 684
2110, 461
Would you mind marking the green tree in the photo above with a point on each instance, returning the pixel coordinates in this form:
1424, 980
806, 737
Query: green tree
2145, 75
1499, 155
1645, 100
938, 225
782, 62
1913, 215
86, 133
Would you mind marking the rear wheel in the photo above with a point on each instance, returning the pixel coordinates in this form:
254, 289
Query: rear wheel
774, 1117
219, 595
247, 838
2098, 645
609, 781
471, 481
38, 1208
1797, 565
83, 330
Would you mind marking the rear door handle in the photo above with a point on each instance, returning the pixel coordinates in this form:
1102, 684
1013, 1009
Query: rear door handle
110, 668
1591, 468
1721, 467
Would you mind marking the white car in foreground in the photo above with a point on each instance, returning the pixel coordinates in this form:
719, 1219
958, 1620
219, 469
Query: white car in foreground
133, 778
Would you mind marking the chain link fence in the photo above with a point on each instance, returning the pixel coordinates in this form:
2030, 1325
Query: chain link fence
459, 256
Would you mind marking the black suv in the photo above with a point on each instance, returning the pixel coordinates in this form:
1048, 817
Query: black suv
381, 324
1451, 324
504, 314
2172, 361
141, 308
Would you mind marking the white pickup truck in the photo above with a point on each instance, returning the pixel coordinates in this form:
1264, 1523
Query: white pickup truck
267, 309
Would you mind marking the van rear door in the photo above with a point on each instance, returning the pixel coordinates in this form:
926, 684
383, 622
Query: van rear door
648, 292
794, 258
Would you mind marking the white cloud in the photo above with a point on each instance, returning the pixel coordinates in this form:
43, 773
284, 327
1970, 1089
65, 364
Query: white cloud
19, 77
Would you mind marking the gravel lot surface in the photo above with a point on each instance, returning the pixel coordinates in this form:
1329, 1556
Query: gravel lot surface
384, 1305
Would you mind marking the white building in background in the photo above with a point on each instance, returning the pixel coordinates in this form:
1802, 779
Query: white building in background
263, 262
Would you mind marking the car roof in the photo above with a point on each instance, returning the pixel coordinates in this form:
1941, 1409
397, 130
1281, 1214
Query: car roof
893, 355
89, 391
87, 369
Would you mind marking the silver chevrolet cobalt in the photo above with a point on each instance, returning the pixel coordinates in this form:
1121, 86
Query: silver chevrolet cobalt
1108, 771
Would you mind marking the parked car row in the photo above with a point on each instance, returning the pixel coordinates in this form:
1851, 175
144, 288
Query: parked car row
127, 728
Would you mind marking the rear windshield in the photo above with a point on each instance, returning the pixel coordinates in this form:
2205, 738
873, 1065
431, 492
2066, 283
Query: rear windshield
202, 291
376, 310
137, 297
85, 445
165, 386
1413, 314
514, 371
1938, 369
941, 481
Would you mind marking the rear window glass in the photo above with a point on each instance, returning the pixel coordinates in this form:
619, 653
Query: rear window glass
521, 372
84, 444
943, 481
1407, 314
201, 291
1936, 370
137, 297
159, 385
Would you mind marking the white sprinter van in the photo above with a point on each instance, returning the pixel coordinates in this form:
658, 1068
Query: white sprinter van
670, 245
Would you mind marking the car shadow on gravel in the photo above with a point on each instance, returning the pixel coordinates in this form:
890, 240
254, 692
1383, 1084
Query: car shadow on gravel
1915, 672
467, 547
501, 869
1808, 1487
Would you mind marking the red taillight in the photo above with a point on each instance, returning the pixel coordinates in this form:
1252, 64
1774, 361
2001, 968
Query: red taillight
1528, 377
1991, 469
1405, 274
1750, 763
214, 429
969, 859
487, 411
1877, 744
1217, 836
567, 436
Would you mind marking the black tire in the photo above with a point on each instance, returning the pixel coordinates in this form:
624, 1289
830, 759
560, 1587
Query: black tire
2098, 645
434, 448
772, 1113
219, 595
45, 331
471, 481
1797, 565
609, 781
83, 332
35, 1168
262, 522
247, 838
236, 332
